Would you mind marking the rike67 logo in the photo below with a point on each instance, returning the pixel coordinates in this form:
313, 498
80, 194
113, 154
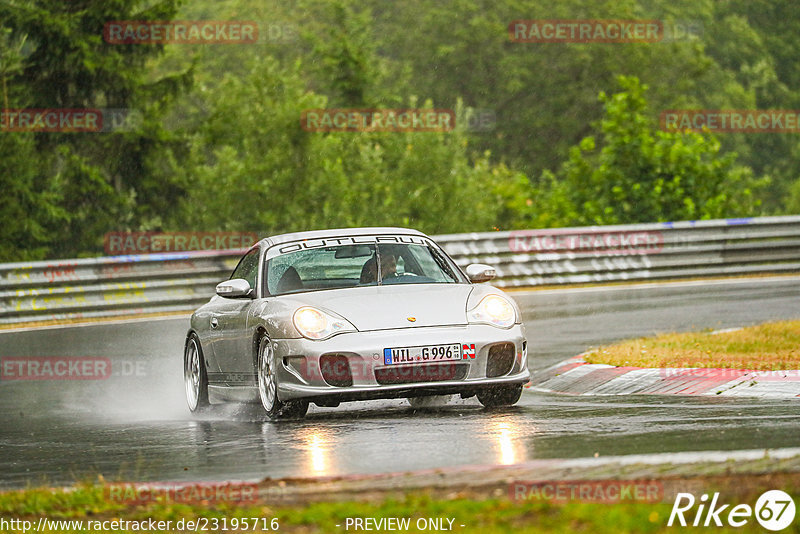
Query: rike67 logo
774, 510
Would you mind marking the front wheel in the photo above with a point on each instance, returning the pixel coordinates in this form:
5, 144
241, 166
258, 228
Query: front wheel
194, 375
500, 396
268, 386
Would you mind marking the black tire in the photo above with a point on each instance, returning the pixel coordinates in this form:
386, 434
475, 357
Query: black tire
499, 396
268, 386
195, 378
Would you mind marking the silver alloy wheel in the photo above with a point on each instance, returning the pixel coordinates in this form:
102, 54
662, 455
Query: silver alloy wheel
191, 374
267, 384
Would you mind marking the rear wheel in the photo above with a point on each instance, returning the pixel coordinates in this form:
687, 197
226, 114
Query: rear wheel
500, 396
194, 375
268, 386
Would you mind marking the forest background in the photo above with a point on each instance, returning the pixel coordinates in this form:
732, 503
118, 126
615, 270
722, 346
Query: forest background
213, 141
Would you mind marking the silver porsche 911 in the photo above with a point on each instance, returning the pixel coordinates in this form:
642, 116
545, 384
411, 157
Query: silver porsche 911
353, 314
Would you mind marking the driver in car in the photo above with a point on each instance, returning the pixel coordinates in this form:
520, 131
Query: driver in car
388, 268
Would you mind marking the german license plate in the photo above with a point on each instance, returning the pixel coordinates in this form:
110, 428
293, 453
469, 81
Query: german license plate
422, 354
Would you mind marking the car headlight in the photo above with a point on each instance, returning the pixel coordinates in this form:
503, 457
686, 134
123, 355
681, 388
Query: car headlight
494, 310
317, 325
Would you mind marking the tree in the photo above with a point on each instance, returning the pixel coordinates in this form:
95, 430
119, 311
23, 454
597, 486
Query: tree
28, 206
256, 169
634, 173
544, 94
346, 66
103, 180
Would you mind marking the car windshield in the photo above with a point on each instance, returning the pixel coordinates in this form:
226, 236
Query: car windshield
342, 266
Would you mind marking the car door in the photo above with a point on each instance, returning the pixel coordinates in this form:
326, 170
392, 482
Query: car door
233, 348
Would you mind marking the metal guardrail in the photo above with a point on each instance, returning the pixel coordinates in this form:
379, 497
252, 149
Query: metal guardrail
155, 283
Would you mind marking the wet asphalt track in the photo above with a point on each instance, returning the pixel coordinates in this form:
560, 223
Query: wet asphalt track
134, 426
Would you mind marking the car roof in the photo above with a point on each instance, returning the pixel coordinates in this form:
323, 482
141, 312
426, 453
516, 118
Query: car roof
336, 232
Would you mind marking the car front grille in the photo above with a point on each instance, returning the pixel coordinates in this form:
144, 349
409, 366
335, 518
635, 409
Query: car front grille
410, 374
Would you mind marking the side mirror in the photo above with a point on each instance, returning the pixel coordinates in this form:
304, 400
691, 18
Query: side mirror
480, 272
232, 289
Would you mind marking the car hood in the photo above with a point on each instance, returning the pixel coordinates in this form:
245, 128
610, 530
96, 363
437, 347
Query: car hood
384, 307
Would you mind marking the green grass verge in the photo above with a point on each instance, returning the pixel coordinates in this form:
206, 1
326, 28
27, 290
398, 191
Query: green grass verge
768, 347
88, 503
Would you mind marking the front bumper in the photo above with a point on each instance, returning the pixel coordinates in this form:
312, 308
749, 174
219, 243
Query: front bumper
301, 375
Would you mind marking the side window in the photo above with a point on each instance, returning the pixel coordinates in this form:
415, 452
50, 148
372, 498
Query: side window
248, 268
